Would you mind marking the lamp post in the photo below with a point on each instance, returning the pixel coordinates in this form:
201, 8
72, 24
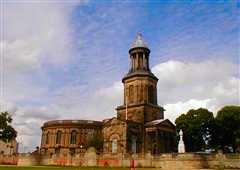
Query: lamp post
81, 148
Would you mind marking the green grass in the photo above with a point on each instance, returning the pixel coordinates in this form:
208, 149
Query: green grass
57, 168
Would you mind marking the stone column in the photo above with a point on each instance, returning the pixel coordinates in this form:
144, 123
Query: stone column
52, 136
144, 61
68, 136
137, 60
156, 138
141, 60
65, 137
62, 138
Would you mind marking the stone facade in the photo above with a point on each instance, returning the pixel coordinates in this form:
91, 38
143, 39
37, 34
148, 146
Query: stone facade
68, 136
8, 148
114, 129
139, 127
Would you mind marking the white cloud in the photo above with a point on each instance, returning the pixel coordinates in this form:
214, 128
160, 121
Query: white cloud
174, 110
182, 86
36, 34
112, 93
182, 81
190, 85
34, 37
27, 120
74, 102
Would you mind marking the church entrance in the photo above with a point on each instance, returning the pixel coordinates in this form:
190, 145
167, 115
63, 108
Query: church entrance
155, 149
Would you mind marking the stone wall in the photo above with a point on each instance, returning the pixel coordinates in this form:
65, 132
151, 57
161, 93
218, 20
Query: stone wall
29, 159
8, 148
164, 161
8, 159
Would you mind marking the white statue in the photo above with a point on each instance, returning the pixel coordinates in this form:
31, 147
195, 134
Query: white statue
181, 146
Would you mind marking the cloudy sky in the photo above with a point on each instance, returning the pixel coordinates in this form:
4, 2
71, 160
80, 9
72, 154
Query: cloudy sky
65, 59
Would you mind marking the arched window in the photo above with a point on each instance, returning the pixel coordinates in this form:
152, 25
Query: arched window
58, 138
114, 146
47, 138
73, 137
130, 93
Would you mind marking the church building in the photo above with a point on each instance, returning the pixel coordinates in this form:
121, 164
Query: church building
139, 126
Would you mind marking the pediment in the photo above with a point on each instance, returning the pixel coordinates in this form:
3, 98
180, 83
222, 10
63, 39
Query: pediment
161, 122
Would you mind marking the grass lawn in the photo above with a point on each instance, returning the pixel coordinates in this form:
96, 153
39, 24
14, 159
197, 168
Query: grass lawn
2, 167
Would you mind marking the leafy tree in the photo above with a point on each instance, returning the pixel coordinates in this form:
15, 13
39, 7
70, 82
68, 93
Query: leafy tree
7, 132
96, 141
227, 129
197, 127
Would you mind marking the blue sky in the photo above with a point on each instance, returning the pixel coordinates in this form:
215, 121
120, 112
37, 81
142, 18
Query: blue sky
182, 31
66, 59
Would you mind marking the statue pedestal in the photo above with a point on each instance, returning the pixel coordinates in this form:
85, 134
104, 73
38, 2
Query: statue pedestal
181, 148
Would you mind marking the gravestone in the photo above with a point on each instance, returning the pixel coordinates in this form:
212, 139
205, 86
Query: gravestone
90, 157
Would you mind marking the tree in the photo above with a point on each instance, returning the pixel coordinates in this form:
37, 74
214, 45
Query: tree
96, 141
227, 129
7, 132
197, 127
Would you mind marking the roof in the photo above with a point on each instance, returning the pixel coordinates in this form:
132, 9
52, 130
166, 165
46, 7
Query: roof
138, 73
72, 122
160, 122
139, 42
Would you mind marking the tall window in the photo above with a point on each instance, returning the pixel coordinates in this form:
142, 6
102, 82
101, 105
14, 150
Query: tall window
141, 92
73, 137
130, 93
58, 138
150, 94
114, 146
137, 90
47, 138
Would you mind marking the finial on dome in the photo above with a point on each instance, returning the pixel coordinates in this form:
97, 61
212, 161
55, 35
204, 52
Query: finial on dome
139, 35
139, 42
